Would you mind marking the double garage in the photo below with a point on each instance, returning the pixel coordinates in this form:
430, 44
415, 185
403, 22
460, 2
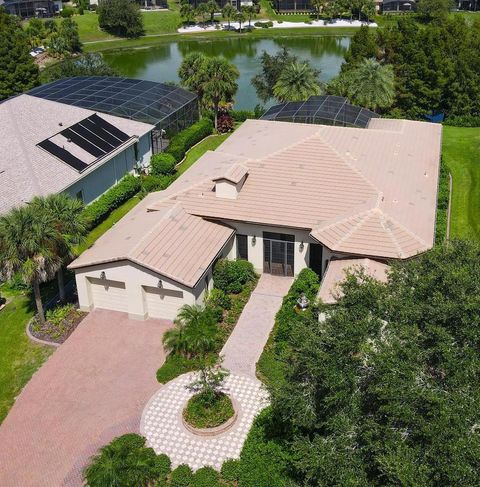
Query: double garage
135, 290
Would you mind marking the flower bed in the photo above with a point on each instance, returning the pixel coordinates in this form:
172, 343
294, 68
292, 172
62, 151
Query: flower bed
59, 324
204, 411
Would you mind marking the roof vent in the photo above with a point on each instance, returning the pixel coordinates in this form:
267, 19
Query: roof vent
229, 184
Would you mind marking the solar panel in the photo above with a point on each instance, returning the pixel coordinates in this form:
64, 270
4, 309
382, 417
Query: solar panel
64, 155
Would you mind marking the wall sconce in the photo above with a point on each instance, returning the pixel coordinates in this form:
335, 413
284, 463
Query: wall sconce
103, 275
302, 246
254, 240
160, 284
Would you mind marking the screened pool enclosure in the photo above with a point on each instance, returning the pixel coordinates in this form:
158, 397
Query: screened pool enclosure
326, 110
168, 107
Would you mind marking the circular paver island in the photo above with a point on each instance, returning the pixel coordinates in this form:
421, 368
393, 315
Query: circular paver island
163, 427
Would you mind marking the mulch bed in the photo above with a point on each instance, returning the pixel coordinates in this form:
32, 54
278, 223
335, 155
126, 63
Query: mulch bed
57, 333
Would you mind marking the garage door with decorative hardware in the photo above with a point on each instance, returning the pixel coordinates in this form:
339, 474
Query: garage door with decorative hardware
107, 294
162, 303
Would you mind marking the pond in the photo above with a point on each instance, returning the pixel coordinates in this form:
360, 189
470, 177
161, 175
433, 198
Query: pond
161, 62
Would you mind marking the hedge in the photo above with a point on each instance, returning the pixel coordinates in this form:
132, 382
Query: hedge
162, 164
465, 121
99, 210
231, 275
181, 142
442, 204
182, 476
155, 183
206, 477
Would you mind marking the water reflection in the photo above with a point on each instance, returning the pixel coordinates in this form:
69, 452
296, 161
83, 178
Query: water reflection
161, 62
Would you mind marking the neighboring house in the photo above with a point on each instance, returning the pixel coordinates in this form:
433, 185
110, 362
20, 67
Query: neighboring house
281, 195
48, 147
32, 8
398, 6
168, 107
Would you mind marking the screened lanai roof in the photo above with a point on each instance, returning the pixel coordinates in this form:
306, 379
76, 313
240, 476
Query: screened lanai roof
326, 109
143, 101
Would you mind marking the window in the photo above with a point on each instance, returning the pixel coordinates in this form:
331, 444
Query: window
242, 247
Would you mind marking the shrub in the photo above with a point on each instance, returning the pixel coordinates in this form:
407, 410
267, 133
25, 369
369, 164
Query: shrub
155, 183
181, 142
217, 298
241, 115
164, 465
206, 477
182, 476
174, 366
67, 12
162, 164
465, 121
57, 315
442, 204
264, 25
231, 275
225, 124
97, 211
230, 470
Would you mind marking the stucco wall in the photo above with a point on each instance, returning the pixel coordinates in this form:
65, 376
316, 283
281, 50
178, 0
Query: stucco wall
107, 175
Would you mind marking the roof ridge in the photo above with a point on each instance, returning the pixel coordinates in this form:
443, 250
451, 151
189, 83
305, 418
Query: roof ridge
355, 227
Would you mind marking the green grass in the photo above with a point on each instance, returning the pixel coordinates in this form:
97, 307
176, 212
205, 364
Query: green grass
201, 412
461, 148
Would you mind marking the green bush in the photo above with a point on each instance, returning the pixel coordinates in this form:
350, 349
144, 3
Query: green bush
242, 115
67, 12
182, 476
57, 315
181, 142
174, 366
264, 25
230, 275
97, 211
155, 183
164, 465
206, 477
465, 121
231, 470
442, 204
217, 298
162, 164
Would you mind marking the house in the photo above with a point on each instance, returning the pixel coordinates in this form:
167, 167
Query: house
32, 8
281, 195
49, 147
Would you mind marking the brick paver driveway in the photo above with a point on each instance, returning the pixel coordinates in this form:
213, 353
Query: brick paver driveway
93, 388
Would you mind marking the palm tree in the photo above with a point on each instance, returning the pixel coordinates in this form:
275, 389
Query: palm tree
228, 12
240, 18
220, 83
371, 85
29, 242
297, 82
212, 7
66, 213
250, 13
190, 73
187, 12
125, 461
202, 12
319, 6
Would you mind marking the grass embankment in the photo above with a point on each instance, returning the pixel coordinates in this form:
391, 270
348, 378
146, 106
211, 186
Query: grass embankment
461, 149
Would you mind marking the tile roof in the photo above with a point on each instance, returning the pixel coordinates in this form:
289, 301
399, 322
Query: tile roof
337, 271
26, 170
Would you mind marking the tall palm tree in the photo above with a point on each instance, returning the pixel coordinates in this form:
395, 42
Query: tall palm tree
240, 18
297, 82
202, 12
220, 83
212, 7
319, 6
191, 73
250, 13
228, 13
371, 85
66, 213
28, 245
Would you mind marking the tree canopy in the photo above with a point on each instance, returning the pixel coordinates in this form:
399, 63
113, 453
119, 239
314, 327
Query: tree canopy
121, 18
297, 82
18, 73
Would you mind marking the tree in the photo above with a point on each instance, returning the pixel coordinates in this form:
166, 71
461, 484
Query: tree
371, 85
187, 12
297, 82
434, 10
124, 462
220, 83
240, 17
319, 6
35, 32
250, 13
89, 64
202, 12
228, 13
66, 39
18, 73
190, 73
212, 7
272, 67
121, 18
362, 46
65, 214
28, 246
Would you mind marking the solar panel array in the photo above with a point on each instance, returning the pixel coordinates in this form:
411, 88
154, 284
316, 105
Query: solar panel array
143, 101
93, 137
325, 109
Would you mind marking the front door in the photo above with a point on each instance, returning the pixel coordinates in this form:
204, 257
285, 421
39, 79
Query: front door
278, 254
316, 254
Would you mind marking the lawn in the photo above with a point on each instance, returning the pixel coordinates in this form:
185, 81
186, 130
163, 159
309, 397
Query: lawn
461, 149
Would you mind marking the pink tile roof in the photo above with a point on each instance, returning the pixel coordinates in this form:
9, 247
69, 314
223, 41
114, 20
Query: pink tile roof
336, 273
234, 173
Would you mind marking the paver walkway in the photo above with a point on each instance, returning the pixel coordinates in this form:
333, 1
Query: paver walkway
92, 388
245, 345
162, 423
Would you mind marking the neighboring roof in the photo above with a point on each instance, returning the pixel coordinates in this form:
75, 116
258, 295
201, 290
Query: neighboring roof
326, 109
336, 273
170, 242
27, 170
140, 100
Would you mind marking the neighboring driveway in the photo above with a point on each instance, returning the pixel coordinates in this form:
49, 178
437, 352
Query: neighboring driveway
93, 388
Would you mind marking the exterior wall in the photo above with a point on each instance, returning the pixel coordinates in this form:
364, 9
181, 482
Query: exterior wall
134, 277
255, 252
107, 175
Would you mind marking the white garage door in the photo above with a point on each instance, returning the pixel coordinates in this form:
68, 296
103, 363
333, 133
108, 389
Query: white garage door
108, 294
162, 303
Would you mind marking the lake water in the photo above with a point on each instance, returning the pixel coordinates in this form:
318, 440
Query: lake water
161, 62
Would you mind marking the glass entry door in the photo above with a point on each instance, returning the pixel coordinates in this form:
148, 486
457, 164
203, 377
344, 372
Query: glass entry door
278, 254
